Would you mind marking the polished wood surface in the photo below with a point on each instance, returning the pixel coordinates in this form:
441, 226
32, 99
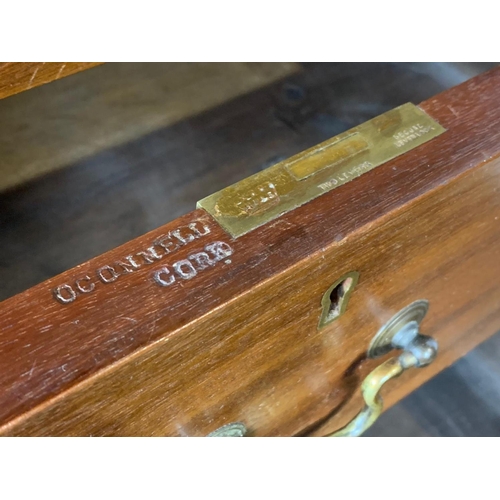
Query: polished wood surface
74, 213
252, 359
17, 77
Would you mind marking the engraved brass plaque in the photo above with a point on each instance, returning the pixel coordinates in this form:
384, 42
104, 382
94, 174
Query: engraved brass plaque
262, 197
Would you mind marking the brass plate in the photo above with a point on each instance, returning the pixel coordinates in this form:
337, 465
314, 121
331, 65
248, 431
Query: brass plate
262, 197
382, 343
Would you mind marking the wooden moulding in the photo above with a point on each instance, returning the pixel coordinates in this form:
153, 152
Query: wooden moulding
239, 340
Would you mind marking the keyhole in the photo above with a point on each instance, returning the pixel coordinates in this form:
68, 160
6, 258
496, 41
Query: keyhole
335, 299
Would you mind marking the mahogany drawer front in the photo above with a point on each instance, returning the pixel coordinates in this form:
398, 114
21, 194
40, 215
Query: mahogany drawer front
240, 340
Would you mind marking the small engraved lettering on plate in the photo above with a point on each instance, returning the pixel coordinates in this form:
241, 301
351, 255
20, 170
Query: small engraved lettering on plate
262, 197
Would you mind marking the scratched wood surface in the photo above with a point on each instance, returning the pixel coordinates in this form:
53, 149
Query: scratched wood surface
106, 199
59, 124
252, 359
17, 77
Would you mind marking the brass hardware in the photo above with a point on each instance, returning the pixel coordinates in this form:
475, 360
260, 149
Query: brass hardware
387, 337
336, 298
264, 196
400, 332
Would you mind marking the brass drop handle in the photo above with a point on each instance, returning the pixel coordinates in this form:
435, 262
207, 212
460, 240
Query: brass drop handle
400, 332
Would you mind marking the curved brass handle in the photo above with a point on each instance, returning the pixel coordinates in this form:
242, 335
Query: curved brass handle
400, 332
374, 404
370, 389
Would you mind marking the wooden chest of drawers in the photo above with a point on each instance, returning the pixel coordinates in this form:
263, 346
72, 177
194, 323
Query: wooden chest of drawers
193, 325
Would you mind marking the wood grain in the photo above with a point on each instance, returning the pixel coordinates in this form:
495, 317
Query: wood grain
70, 215
17, 77
56, 125
234, 354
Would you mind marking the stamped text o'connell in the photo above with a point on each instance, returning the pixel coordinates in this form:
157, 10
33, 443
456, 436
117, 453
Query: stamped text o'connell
160, 248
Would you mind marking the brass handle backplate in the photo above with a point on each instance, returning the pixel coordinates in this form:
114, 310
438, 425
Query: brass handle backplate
401, 332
